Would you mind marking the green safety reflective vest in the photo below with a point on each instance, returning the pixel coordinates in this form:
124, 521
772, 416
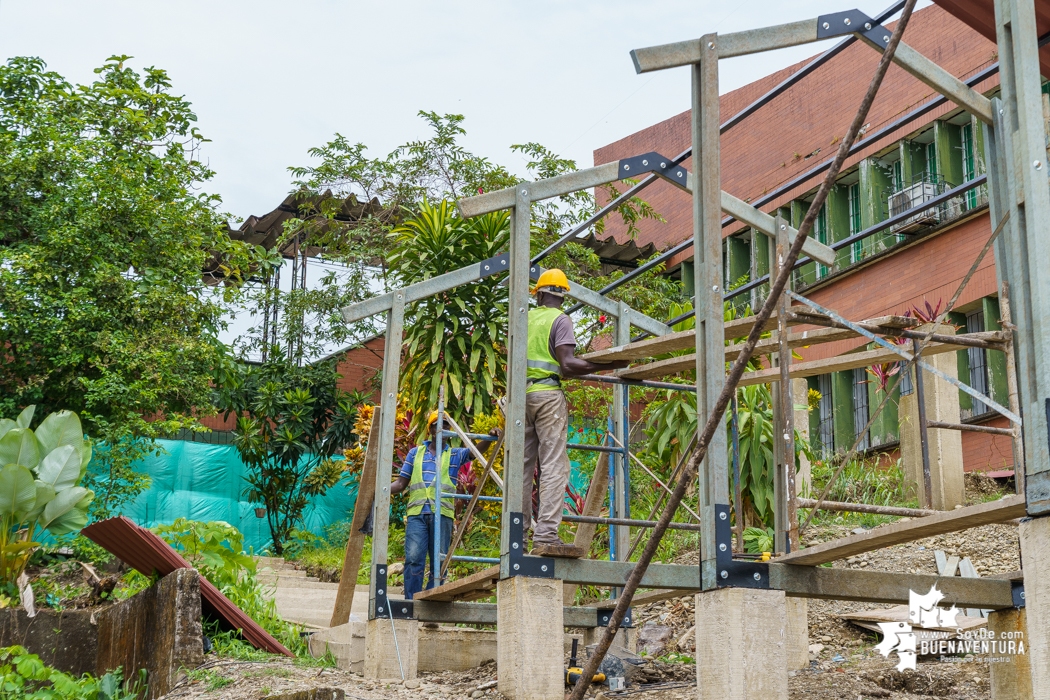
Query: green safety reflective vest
419, 493
543, 373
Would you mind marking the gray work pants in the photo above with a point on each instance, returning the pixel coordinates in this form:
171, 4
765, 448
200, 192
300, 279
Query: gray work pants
546, 461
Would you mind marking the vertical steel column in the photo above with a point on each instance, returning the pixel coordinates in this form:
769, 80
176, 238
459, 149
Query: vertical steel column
614, 553
787, 506
707, 256
517, 339
620, 427
435, 508
387, 413
1029, 208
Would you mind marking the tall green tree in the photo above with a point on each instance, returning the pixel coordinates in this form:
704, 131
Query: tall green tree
105, 233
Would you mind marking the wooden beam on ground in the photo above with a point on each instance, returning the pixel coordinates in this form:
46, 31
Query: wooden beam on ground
908, 531
478, 585
672, 342
597, 490
366, 489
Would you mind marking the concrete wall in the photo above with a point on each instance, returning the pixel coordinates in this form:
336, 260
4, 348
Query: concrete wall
65, 640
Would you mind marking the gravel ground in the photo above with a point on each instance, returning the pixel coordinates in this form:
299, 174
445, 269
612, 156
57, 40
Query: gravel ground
847, 668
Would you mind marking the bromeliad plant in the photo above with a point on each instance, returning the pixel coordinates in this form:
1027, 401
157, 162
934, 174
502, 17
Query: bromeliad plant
39, 480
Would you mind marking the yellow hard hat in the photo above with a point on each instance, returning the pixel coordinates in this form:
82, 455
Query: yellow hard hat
552, 281
431, 419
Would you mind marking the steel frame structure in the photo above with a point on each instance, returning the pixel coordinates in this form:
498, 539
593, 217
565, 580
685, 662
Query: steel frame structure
1019, 199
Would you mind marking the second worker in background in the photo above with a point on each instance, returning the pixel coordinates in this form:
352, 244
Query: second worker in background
550, 357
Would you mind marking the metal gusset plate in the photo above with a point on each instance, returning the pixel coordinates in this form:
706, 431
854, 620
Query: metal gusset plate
605, 615
522, 564
850, 22
657, 164
383, 606
734, 574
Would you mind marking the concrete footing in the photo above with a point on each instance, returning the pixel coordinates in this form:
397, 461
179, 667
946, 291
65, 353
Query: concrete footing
345, 642
391, 649
741, 644
455, 648
1035, 561
530, 623
1011, 679
797, 633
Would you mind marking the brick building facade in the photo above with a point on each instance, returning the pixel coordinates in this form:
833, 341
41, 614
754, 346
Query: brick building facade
923, 259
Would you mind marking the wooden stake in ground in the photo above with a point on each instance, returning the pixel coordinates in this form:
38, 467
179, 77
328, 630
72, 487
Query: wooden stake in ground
715, 419
366, 491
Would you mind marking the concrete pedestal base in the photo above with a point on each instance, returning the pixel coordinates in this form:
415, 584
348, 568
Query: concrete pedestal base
626, 637
382, 651
1011, 680
946, 457
797, 633
741, 645
529, 624
455, 648
1035, 560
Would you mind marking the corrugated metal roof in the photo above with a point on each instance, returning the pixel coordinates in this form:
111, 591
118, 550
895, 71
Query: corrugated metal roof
145, 552
980, 15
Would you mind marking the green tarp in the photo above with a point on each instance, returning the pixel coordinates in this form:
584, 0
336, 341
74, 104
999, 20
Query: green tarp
198, 481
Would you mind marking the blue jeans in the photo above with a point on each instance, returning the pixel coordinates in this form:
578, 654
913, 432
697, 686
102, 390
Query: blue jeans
419, 546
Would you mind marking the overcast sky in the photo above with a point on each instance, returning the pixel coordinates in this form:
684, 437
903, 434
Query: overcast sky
269, 80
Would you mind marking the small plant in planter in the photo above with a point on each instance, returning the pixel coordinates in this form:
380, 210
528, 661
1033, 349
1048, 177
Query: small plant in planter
39, 475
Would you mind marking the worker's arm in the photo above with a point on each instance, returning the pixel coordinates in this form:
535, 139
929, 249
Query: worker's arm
399, 484
572, 366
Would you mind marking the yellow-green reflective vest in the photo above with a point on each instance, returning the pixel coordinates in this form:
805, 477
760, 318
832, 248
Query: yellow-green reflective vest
543, 372
419, 494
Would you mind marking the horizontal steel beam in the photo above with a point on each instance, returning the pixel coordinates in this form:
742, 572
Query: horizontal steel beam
614, 573
414, 292
686, 53
887, 587
742, 211
939, 79
541, 189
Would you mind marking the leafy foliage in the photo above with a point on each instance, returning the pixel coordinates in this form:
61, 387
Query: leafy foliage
39, 484
24, 675
758, 540
291, 421
216, 550
104, 235
455, 339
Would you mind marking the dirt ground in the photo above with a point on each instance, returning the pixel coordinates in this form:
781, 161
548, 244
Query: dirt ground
845, 665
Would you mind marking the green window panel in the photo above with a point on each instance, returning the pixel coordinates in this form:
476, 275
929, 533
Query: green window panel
969, 163
855, 227
996, 359
949, 153
842, 402
837, 222
688, 279
962, 366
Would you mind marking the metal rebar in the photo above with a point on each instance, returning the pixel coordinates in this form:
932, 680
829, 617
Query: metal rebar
627, 522
969, 428
607, 379
864, 508
469, 497
473, 560
393, 631
593, 448
715, 418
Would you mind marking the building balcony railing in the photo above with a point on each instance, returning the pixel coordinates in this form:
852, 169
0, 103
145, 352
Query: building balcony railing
927, 188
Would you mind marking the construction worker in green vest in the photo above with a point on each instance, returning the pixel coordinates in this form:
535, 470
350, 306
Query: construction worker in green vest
419, 474
550, 358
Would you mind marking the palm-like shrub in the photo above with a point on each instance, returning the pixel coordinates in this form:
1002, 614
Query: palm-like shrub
39, 484
455, 339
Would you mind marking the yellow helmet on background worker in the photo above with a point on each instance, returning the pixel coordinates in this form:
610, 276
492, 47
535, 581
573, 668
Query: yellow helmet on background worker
431, 419
552, 281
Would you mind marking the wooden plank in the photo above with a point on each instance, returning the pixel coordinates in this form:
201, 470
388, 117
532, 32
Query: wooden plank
908, 531
673, 342
366, 490
477, 585
597, 490
839, 363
